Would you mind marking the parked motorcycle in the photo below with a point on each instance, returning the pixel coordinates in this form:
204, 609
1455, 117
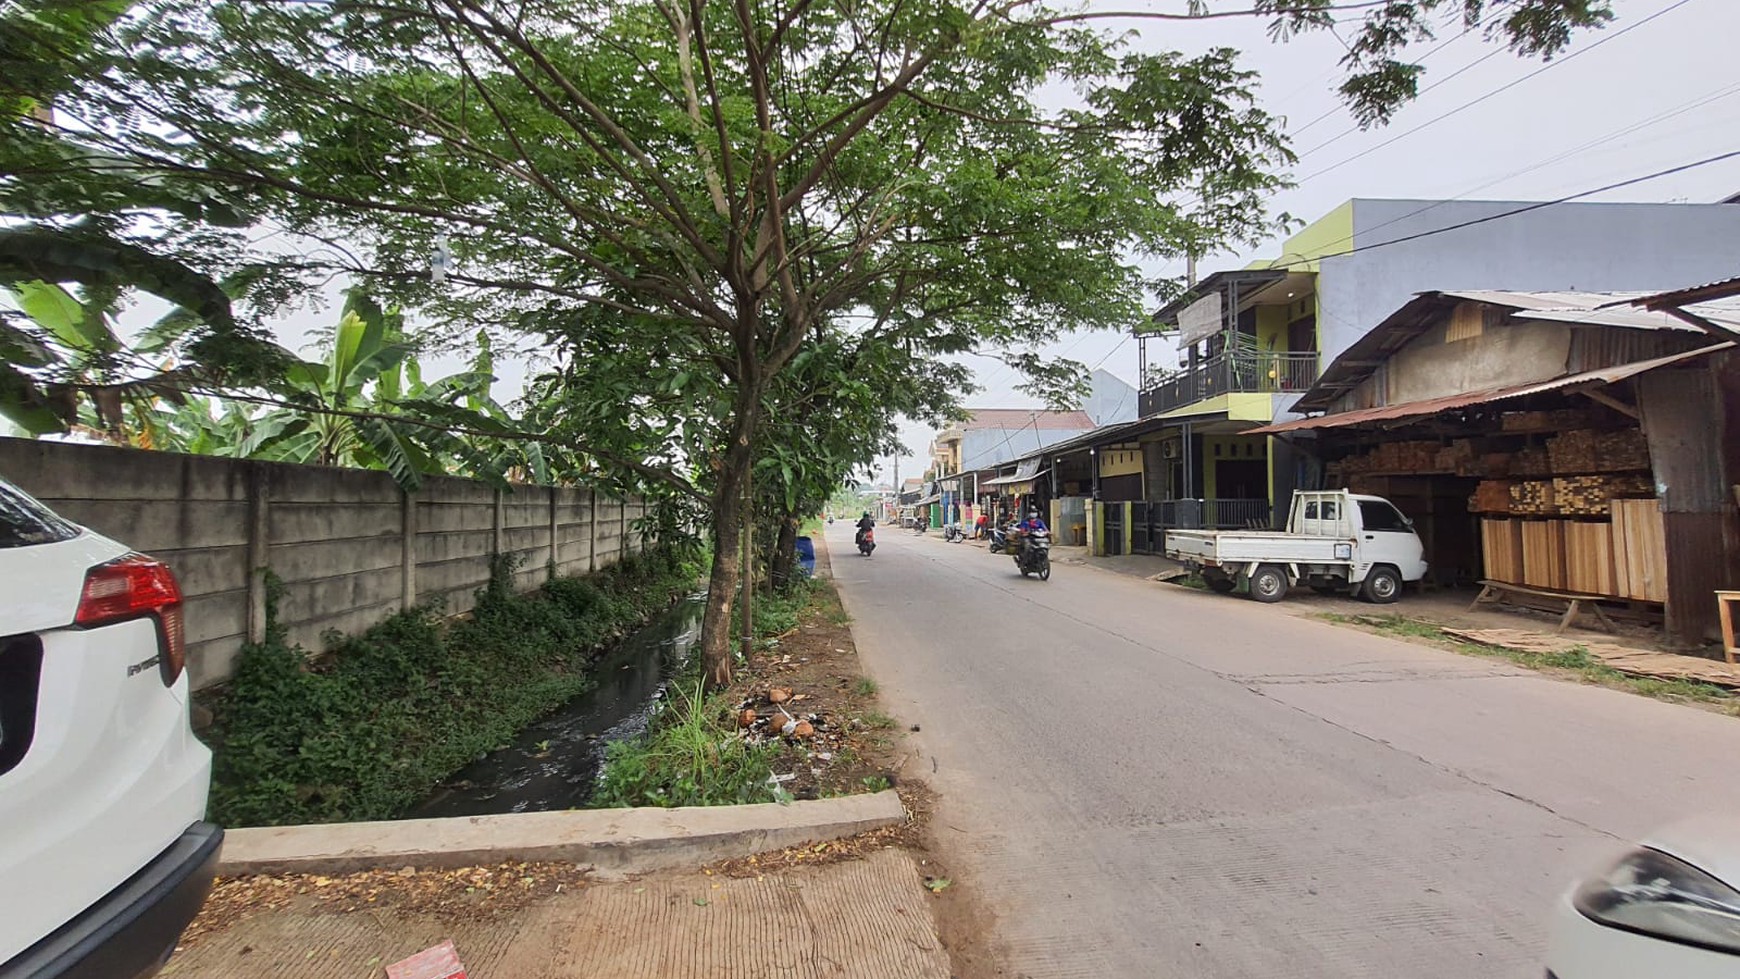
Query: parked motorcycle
866, 541
1033, 555
999, 540
953, 534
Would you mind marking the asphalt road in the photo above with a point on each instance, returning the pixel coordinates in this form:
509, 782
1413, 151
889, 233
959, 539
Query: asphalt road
1143, 780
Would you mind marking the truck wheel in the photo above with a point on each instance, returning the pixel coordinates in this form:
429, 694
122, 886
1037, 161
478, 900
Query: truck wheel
1383, 585
1268, 584
1219, 584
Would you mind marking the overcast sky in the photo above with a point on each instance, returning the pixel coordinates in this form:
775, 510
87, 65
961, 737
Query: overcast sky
1615, 106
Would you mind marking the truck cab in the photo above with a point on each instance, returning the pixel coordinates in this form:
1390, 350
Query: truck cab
1335, 541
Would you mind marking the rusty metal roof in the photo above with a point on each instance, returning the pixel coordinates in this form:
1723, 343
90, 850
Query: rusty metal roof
1450, 402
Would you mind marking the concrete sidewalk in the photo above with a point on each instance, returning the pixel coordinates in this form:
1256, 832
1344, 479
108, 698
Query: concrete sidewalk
868, 918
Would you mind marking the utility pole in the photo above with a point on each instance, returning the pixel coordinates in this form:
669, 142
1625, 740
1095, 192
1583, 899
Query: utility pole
897, 486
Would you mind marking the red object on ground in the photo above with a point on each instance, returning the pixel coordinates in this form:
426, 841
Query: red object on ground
440, 962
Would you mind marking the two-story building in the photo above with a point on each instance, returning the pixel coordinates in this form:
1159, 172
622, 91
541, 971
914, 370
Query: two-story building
1237, 350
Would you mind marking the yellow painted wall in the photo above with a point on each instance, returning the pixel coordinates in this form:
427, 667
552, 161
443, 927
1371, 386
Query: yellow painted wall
1272, 327
1120, 462
1330, 234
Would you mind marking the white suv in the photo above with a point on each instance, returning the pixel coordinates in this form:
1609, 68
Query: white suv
104, 852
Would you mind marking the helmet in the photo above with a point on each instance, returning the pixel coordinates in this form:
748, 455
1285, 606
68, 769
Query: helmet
866, 513
1034, 514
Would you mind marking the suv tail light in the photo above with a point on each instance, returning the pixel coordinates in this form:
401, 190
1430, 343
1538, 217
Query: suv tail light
134, 587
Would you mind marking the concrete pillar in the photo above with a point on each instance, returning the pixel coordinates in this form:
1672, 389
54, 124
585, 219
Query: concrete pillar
408, 551
555, 531
259, 548
497, 544
591, 531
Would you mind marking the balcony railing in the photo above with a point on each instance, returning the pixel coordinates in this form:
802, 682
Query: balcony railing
1242, 372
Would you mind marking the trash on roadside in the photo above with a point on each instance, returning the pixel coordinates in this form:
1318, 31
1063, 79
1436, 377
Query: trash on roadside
778, 695
802, 729
937, 884
746, 717
439, 962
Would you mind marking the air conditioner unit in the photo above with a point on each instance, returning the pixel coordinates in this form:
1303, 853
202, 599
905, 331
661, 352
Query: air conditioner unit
1168, 450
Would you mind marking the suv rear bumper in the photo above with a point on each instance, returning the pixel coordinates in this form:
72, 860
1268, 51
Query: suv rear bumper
133, 929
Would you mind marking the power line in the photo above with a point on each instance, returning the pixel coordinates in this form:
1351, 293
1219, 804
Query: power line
1645, 123
1514, 211
1495, 92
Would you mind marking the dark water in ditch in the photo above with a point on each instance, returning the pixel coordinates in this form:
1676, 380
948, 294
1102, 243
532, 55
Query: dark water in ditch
554, 763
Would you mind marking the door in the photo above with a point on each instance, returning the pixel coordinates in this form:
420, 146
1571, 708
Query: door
1386, 537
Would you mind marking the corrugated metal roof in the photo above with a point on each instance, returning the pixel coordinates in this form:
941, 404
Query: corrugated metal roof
1432, 406
1720, 289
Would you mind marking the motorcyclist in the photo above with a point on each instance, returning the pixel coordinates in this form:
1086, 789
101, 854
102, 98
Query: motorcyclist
1027, 528
864, 523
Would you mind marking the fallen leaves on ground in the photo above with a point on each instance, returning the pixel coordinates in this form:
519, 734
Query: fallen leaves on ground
466, 891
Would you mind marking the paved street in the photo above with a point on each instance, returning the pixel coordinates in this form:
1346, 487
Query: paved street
1142, 780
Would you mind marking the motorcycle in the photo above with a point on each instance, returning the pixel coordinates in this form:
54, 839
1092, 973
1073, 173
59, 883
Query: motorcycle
1034, 555
999, 540
866, 541
953, 533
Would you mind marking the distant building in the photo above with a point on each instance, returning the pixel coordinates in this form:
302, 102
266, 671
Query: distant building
1111, 401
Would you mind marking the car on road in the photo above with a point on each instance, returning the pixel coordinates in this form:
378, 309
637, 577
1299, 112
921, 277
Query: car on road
1335, 542
105, 855
1668, 907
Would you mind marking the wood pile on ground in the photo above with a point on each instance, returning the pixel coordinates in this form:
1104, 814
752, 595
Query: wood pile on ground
1625, 659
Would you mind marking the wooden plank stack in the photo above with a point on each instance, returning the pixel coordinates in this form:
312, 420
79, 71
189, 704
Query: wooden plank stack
1543, 554
1501, 544
1586, 451
1589, 558
1530, 462
1639, 550
1544, 421
1590, 496
1490, 496
1533, 496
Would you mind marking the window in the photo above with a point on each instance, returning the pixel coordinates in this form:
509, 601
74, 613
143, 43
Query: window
1378, 515
1311, 510
23, 521
1329, 510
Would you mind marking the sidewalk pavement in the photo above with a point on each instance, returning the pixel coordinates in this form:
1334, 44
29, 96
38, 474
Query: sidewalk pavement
868, 918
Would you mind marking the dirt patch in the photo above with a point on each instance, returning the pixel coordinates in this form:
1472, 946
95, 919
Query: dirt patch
469, 892
811, 676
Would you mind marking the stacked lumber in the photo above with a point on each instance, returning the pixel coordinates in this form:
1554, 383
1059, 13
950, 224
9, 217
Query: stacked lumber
1490, 496
1458, 457
1533, 496
1530, 462
1639, 550
1544, 421
1543, 554
1501, 548
1589, 558
1589, 496
1585, 451
1495, 465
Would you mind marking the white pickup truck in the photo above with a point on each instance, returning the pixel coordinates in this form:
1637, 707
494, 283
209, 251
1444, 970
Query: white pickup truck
1335, 541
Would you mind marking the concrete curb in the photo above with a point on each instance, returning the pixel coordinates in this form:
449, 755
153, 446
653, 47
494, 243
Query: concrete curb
613, 840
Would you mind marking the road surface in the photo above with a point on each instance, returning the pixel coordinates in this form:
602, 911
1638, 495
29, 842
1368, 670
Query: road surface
1144, 780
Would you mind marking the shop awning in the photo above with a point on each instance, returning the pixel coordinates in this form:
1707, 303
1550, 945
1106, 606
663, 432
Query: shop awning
927, 501
1450, 402
1004, 482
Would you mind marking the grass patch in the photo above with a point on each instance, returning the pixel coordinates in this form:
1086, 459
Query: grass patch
1191, 580
878, 720
693, 756
1576, 661
367, 731
693, 753
865, 687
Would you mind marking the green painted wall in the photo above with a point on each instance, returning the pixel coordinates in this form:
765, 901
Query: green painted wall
1328, 235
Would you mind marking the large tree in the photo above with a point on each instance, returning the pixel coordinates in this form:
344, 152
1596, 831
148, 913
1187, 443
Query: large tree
688, 196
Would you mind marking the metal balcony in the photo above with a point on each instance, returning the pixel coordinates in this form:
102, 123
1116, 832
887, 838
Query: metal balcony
1241, 372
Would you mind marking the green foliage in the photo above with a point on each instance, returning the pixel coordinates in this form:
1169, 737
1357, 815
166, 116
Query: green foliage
367, 731
865, 687
693, 756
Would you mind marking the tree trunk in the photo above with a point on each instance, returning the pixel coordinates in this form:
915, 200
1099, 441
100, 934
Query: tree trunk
784, 562
729, 515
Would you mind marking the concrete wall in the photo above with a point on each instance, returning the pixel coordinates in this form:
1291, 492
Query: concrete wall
1586, 247
349, 547
1516, 352
982, 448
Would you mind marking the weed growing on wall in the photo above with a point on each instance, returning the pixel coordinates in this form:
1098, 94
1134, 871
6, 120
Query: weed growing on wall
367, 731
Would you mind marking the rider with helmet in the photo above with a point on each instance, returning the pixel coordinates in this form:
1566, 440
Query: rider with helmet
865, 522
